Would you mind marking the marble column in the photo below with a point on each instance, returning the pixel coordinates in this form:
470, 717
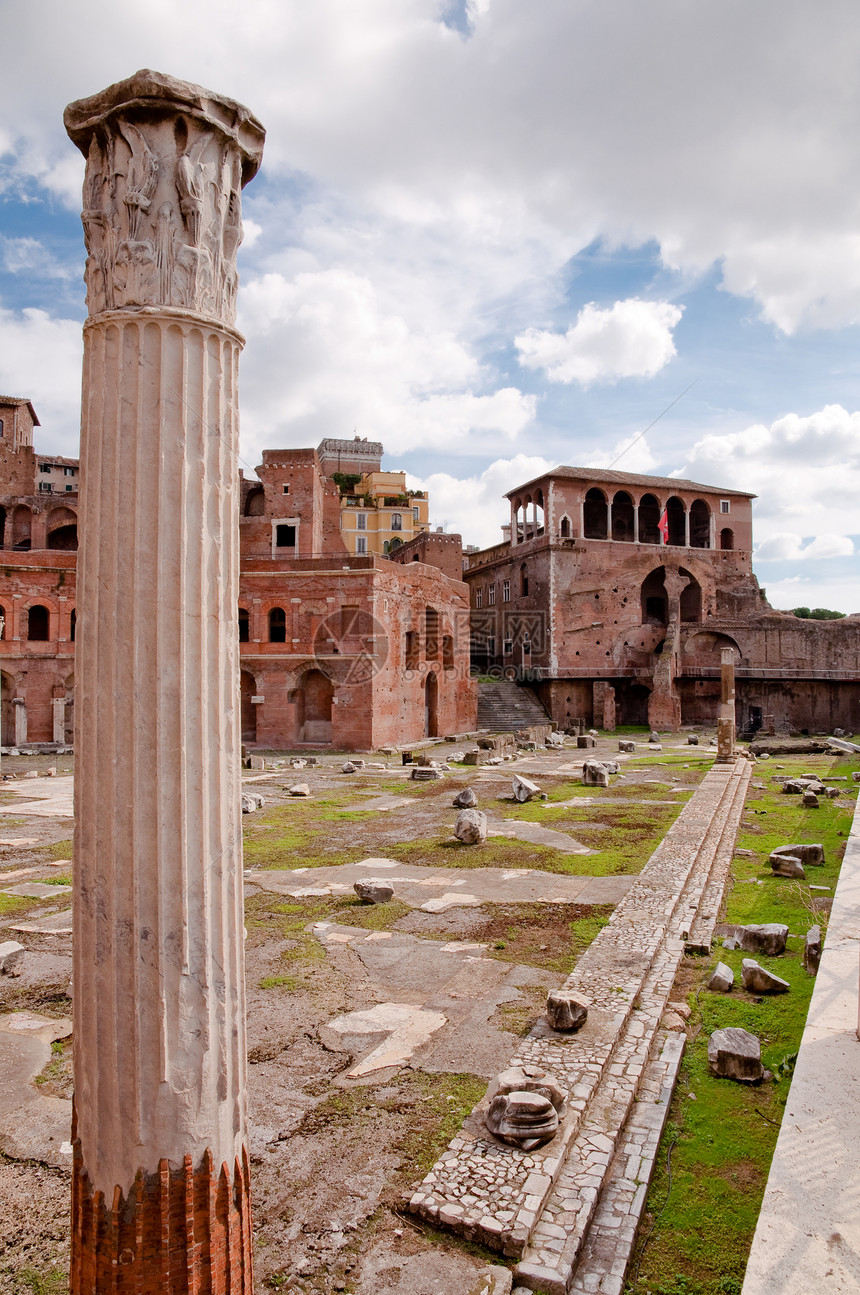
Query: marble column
58, 710
160, 1192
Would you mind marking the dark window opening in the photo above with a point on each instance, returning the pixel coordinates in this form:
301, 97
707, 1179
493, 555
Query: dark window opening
622, 517
676, 517
73, 624
285, 536
277, 625
37, 624
524, 581
649, 516
655, 603
565, 528
64, 538
727, 538
700, 525
595, 515
411, 649
447, 652
244, 626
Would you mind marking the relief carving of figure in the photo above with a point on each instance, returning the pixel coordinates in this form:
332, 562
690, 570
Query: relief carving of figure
141, 178
190, 177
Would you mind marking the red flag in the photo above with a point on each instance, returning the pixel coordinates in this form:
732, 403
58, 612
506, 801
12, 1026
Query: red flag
663, 526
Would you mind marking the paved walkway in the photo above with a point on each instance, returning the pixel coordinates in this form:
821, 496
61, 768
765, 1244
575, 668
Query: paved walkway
808, 1233
538, 1207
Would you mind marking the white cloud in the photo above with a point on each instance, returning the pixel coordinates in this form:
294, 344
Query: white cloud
328, 357
835, 591
632, 339
804, 468
475, 506
573, 121
41, 354
785, 546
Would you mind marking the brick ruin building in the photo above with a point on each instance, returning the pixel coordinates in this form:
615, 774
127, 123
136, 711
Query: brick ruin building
353, 651
611, 625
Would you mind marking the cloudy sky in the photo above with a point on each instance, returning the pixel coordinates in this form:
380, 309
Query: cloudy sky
499, 235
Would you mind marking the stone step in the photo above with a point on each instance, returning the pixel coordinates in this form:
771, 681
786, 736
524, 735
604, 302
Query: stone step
701, 929
505, 706
587, 1184
495, 1193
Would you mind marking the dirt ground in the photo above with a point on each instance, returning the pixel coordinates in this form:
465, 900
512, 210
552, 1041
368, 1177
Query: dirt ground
334, 1154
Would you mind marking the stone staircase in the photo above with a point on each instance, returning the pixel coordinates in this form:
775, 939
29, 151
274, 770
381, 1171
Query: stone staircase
505, 707
568, 1211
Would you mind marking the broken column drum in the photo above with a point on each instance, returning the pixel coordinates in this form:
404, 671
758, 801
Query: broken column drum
160, 1192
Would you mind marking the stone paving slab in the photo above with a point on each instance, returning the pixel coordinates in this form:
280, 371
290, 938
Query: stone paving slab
436, 889
496, 1193
43, 797
32, 1125
48, 924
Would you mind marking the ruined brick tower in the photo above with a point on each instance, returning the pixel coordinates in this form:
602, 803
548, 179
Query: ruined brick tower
160, 1193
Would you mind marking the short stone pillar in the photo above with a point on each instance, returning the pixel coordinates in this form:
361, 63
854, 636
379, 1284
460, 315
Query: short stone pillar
726, 721
603, 703
19, 707
58, 708
160, 1192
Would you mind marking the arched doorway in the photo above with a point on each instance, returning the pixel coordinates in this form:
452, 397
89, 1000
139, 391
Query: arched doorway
622, 517
691, 598
649, 518
595, 515
431, 706
655, 601
248, 686
315, 702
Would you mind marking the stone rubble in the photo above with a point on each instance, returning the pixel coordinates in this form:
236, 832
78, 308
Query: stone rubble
471, 827
373, 890
734, 1053
566, 1010
768, 938
524, 789
722, 979
758, 980
811, 950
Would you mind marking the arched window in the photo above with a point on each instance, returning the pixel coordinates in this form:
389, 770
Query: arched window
244, 625
524, 581
255, 502
594, 515
676, 516
64, 538
700, 525
38, 620
622, 517
649, 516
396, 522
395, 542
277, 625
691, 598
655, 603
564, 529
1, 426
727, 538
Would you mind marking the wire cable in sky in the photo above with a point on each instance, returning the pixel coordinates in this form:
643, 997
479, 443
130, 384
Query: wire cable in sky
650, 425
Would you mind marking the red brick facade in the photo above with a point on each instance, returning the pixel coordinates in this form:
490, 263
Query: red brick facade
350, 652
611, 624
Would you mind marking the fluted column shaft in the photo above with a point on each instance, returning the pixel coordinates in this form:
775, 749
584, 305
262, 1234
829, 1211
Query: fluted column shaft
160, 1191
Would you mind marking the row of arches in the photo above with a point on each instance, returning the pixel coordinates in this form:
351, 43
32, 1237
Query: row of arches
622, 519
528, 517
16, 528
35, 624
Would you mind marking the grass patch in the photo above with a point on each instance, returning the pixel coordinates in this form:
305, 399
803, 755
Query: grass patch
724, 1139
59, 850
290, 983
16, 905
54, 1281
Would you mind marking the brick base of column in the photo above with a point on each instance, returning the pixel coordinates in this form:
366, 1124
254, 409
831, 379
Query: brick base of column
178, 1231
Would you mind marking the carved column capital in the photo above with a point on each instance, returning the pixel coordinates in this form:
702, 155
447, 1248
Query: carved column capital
166, 164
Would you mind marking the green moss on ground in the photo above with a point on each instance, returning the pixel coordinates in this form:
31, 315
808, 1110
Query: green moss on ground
721, 1135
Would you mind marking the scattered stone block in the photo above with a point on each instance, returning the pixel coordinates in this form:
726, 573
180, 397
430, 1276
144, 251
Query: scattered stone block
787, 865
672, 1021
11, 957
51, 771
758, 980
348, 767
734, 1053
31, 773
809, 800
585, 740
809, 855
566, 1010
555, 739
256, 762
592, 732
855, 777
693, 739
373, 890
680, 1009
251, 801
654, 738
466, 799
611, 766
299, 789
456, 757
811, 950
768, 938
475, 757
594, 774
524, 789
424, 773
832, 793
522, 1119
471, 827
624, 744
722, 979
297, 763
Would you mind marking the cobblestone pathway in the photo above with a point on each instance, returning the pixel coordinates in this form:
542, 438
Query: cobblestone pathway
568, 1211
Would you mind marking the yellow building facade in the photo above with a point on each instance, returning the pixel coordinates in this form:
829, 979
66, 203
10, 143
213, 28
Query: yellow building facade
378, 513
